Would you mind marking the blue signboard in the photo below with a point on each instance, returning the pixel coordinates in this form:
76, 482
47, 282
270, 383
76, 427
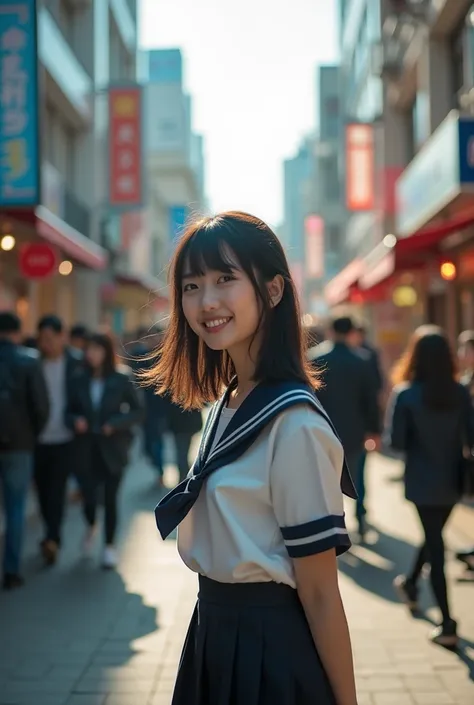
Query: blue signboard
178, 216
19, 145
442, 169
165, 66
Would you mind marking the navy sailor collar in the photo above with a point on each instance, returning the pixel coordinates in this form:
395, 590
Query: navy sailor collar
260, 406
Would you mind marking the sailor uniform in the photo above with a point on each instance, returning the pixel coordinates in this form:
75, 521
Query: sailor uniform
265, 488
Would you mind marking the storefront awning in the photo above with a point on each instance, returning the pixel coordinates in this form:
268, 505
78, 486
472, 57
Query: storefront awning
338, 289
60, 234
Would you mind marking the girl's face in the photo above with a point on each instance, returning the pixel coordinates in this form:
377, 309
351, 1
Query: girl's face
221, 308
95, 355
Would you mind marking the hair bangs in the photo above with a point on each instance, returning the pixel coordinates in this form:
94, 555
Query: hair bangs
209, 249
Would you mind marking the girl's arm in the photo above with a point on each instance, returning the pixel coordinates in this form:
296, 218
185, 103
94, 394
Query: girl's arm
305, 477
318, 589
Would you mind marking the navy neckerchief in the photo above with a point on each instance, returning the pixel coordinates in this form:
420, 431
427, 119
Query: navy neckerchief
260, 407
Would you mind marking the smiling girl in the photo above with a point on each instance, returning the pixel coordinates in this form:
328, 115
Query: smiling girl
260, 515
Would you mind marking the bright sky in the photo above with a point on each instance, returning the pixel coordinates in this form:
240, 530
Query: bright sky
250, 66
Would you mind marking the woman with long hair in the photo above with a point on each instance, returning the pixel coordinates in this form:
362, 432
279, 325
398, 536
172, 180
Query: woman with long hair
260, 514
430, 421
103, 407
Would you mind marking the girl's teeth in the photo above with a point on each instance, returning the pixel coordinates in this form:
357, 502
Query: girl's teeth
213, 324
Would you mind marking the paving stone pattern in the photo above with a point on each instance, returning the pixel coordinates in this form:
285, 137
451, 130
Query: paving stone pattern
76, 635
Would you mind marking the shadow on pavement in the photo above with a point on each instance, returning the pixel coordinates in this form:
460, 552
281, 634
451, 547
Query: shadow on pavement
374, 564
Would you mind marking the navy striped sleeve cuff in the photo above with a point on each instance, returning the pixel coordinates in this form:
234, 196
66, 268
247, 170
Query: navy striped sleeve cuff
316, 537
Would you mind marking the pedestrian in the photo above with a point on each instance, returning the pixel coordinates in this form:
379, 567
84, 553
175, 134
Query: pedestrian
466, 363
24, 411
371, 354
55, 456
102, 411
156, 407
430, 421
349, 395
183, 425
261, 515
78, 337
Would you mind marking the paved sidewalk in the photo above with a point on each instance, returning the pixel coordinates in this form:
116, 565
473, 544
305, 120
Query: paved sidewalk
76, 635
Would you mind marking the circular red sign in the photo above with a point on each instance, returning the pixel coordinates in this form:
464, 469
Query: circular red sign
37, 260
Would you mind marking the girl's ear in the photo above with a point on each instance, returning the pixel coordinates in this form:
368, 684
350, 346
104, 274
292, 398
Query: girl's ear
275, 290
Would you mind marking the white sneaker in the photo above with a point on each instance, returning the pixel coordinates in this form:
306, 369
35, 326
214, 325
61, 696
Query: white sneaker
109, 560
89, 541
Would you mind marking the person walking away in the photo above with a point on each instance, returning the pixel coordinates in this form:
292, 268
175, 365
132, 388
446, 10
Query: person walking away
78, 337
261, 518
55, 457
349, 395
183, 425
466, 364
372, 355
24, 410
430, 421
156, 407
103, 407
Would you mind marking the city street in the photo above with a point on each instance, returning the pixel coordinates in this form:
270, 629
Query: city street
76, 635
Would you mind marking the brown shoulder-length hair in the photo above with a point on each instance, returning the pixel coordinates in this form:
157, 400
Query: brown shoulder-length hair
185, 367
105, 341
429, 361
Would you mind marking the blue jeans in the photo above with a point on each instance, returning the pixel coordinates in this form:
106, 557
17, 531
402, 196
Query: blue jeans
16, 470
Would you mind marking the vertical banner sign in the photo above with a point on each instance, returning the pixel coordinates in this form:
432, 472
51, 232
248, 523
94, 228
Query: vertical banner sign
360, 167
125, 147
314, 241
19, 144
178, 216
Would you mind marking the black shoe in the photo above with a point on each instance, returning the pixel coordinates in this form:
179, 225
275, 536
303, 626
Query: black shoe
50, 550
407, 591
446, 634
12, 581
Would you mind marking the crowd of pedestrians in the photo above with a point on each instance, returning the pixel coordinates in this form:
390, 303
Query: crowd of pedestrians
70, 407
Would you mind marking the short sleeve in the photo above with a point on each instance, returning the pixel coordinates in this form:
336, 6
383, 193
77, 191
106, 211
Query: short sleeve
305, 479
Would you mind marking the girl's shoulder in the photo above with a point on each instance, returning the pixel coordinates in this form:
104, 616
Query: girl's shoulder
304, 424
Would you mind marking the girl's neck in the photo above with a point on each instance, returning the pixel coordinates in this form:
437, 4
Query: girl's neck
245, 372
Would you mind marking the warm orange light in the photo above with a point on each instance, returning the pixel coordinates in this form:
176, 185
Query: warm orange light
448, 271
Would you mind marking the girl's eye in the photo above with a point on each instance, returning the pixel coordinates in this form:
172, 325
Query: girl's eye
226, 278
189, 287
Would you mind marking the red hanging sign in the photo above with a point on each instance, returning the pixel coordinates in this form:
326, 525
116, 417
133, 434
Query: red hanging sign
125, 146
37, 260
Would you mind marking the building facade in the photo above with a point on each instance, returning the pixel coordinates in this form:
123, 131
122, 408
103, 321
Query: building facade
406, 67
80, 49
175, 156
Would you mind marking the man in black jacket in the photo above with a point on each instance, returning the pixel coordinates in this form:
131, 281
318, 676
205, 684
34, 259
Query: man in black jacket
24, 411
349, 395
55, 456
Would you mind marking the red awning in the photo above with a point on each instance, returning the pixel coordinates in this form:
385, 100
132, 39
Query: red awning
338, 289
410, 252
69, 240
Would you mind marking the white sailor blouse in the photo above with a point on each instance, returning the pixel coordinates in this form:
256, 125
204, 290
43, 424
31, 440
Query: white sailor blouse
268, 490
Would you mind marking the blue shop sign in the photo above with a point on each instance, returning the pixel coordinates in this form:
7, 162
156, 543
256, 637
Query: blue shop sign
19, 153
178, 216
442, 170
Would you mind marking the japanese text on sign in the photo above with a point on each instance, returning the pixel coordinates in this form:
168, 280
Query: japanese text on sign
18, 104
125, 146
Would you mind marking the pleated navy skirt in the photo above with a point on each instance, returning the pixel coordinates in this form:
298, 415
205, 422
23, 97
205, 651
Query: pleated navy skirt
250, 644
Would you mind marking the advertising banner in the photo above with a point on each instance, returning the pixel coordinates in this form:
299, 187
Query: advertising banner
19, 143
314, 241
359, 167
125, 147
